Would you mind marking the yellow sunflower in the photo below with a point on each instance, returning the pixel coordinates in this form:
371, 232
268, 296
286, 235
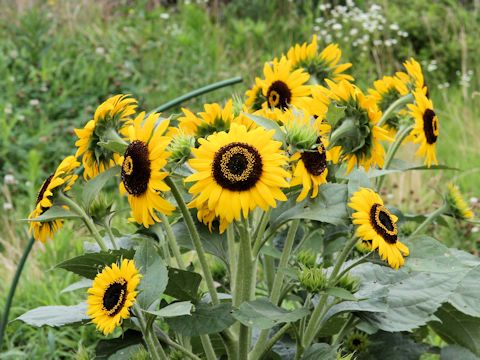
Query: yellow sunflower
378, 225
457, 205
63, 179
361, 145
412, 80
112, 116
255, 98
238, 171
142, 175
208, 217
283, 86
321, 66
426, 128
112, 295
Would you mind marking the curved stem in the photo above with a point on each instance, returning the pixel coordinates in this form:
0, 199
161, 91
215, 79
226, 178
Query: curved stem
110, 235
441, 210
155, 350
192, 229
13, 287
179, 347
207, 347
395, 105
172, 242
346, 326
401, 135
361, 260
197, 92
260, 232
273, 340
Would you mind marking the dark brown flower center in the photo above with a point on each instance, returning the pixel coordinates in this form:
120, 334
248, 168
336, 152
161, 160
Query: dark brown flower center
315, 161
237, 166
42, 190
136, 168
430, 126
279, 95
114, 297
382, 222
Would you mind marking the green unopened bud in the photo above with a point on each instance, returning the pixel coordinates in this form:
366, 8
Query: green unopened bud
312, 279
307, 258
140, 354
100, 207
181, 147
356, 342
301, 137
349, 283
237, 105
219, 271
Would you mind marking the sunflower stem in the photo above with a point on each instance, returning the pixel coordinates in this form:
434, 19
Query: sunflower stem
192, 229
312, 327
172, 241
184, 350
346, 127
13, 287
440, 211
401, 136
273, 340
346, 326
207, 347
260, 232
394, 106
155, 349
86, 219
110, 234
232, 259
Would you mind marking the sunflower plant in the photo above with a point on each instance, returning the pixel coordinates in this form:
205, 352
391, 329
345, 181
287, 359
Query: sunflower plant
256, 229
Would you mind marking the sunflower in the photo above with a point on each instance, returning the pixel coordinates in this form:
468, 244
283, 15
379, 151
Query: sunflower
238, 171
320, 66
61, 180
110, 119
255, 98
112, 295
356, 342
377, 224
283, 86
142, 175
411, 81
208, 217
426, 128
361, 144
457, 205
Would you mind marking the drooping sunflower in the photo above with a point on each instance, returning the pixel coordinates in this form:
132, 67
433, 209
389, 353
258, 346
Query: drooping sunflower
142, 175
321, 66
254, 96
238, 171
360, 146
377, 224
411, 81
208, 217
283, 86
61, 180
110, 119
458, 207
112, 295
426, 128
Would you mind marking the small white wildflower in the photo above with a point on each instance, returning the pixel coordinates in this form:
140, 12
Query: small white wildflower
7, 206
100, 51
9, 179
432, 67
353, 32
165, 16
475, 229
8, 109
377, 42
473, 200
394, 27
34, 102
316, 28
337, 26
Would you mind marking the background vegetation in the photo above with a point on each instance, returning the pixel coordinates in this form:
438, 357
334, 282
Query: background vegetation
60, 59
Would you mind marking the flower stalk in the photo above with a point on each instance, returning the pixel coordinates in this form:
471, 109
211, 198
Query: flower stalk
394, 106
440, 211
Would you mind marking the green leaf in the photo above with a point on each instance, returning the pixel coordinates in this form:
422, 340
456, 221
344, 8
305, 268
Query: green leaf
205, 319
357, 179
268, 125
455, 352
393, 346
457, 328
89, 265
320, 351
93, 187
262, 314
334, 113
115, 146
175, 309
466, 297
81, 284
55, 212
155, 274
341, 293
183, 284
111, 347
55, 316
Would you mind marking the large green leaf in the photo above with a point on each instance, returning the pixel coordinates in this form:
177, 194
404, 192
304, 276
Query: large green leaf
155, 274
455, 352
176, 309
205, 319
392, 346
80, 284
110, 348
89, 265
262, 314
466, 297
269, 125
93, 187
320, 351
56, 316
55, 212
183, 284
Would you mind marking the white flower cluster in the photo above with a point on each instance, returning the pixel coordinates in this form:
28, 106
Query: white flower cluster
465, 77
349, 25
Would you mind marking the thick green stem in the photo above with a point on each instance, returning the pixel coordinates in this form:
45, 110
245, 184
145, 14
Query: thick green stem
110, 234
172, 242
86, 219
260, 232
13, 287
441, 210
197, 92
346, 127
207, 347
155, 350
185, 351
346, 326
232, 259
315, 319
394, 106
273, 340
401, 135
192, 229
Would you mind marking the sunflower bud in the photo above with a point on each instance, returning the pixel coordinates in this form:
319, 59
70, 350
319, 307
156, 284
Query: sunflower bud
307, 258
301, 136
458, 207
313, 279
349, 283
181, 147
356, 342
100, 207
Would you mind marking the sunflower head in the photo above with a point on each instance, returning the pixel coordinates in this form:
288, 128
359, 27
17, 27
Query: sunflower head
426, 129
237, 171
412, 80
378, 225
307, 258
458, 207
301, 129
312, 279
356, 342
142, 175
320, 65
61, 180
109, 123
180, 147
356, 132
112, 295
254, 96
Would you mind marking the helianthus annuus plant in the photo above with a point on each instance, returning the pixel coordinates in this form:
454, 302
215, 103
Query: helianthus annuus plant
264, 216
